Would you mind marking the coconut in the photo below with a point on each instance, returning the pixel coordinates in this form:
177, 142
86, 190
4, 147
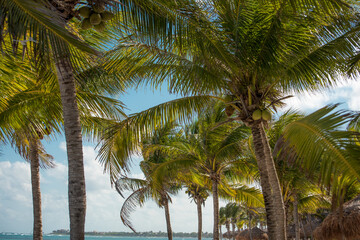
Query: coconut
106, 16
86, 24
229, 110
95, 19
99, 8
85, 12
100, 27
266, 115
256, 114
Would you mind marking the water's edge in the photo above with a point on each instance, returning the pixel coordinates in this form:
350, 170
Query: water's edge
65, 237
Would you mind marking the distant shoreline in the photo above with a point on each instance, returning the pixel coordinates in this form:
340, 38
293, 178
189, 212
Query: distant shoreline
138, 234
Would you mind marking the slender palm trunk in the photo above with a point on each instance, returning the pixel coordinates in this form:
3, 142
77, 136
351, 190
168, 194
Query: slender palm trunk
250, 227
199, 212
35, 185
227, 225
302, 226
274, 204
296, 219
167, 218
233, 230
220, 232
311, 229
216, 209
76, 188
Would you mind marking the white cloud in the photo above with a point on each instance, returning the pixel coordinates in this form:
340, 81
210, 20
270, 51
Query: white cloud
346, 92
15, 196
62, 146
103, 202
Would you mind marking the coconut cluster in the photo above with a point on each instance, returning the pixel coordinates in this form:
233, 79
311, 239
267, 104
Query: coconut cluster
95, 16
261, 114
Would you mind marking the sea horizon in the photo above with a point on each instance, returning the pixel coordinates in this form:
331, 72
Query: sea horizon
51, 236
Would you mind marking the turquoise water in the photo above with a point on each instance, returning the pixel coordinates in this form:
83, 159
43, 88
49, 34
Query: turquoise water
58, 237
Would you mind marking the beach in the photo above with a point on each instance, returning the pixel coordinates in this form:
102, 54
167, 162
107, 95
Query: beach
65, 237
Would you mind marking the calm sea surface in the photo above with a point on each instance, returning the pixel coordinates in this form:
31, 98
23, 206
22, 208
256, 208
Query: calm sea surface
58, 237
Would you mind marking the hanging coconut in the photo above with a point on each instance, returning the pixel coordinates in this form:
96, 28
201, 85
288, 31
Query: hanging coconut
99, 8
229, 110
95, 19
266, 115
85, 12
106, 16
86, 24
100, 27
256, 114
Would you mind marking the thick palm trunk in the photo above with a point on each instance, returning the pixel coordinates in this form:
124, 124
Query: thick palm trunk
274, 204
167, 218
296, 219
216, 209
35, 186
199, 212
76, 188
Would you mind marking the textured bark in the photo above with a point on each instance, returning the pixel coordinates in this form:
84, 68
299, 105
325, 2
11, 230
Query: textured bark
302, 226
311, 229
220, 232
76, 187
274, 204
233, 230
199, 212
227, 225
167, 217
35, 186
250, 227
216, 209
296, 219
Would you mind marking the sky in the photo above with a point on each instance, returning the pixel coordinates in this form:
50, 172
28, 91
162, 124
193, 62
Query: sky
103, 202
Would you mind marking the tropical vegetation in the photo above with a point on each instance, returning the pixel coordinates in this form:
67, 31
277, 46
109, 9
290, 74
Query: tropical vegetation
233, 63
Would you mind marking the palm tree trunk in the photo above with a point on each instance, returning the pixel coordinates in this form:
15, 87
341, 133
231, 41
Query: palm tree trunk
250, 230
233, 230
311, 229
227, 225
302, 226
296, 219
76, 188
220, 232
216, 208
35, 186
274, 204
167, 218
199, 212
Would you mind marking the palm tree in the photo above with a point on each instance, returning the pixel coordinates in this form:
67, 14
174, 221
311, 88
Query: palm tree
199, 194
23, 123
224, 218
48, 37
231, 213
330, 156
144, 189
213, 151
253, 51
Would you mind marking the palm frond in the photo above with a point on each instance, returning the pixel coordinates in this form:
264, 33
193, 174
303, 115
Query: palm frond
318, 141
136, 199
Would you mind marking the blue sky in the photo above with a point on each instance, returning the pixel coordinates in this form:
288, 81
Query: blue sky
103, 203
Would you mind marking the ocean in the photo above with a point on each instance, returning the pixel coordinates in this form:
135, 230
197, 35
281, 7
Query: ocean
63, 237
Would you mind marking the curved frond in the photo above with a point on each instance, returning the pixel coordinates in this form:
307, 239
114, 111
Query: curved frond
318, 141
136, 199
